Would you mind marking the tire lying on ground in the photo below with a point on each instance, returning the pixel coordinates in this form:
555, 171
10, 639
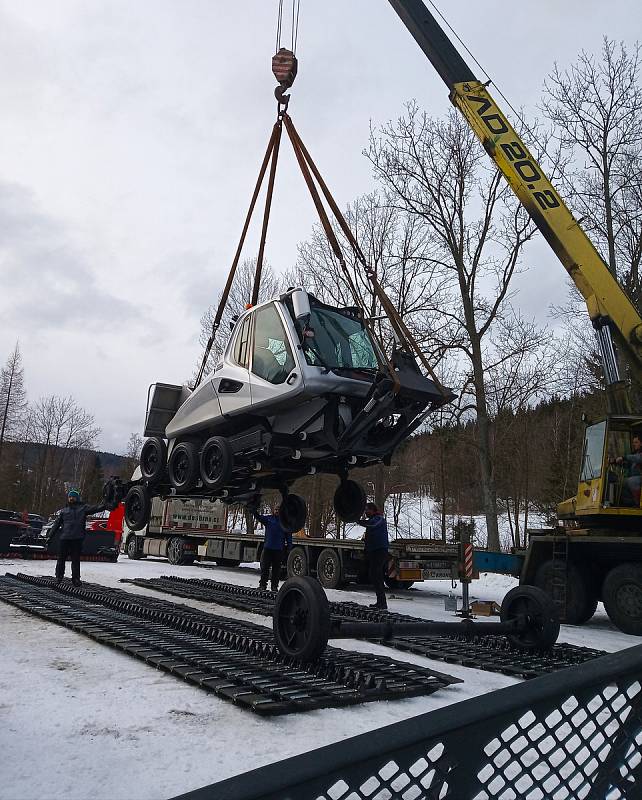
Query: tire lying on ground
622, 596
581, 599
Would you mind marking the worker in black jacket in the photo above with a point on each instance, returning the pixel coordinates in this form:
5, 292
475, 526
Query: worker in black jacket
376, 551
72, 521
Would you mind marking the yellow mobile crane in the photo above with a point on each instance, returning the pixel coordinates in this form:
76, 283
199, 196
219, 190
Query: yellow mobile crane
596, 551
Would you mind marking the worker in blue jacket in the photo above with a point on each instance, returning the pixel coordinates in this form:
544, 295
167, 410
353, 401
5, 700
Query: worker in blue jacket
277, 543
376, 549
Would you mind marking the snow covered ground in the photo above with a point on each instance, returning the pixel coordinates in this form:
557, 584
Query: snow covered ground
80, 720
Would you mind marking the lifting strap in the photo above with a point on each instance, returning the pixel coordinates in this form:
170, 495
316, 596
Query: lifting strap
284, 67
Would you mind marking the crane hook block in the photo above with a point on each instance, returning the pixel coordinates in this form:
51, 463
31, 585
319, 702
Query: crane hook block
284, 68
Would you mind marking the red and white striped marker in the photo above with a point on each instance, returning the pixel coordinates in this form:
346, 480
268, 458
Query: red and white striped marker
468, 561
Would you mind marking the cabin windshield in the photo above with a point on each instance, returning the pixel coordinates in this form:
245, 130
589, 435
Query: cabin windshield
336, 340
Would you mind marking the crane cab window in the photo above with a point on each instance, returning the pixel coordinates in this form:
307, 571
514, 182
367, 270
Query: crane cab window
593, 452
272, 357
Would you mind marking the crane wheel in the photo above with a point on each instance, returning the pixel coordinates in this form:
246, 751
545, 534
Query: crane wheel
301, 619
581, 600
535, 613
622, 597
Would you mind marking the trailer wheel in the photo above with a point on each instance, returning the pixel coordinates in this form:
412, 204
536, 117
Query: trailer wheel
183, 466
293, 513
297, 563
581, 601
349, 501
329, 571
153, 459
177, 554
622, 596
132, 549
216, 462
301, 619
138, 507
533, 608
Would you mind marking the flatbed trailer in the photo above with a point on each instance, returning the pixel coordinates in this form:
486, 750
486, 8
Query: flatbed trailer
197, 530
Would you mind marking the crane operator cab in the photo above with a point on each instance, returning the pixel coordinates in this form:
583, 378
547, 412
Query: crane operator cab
301, 387
610, 475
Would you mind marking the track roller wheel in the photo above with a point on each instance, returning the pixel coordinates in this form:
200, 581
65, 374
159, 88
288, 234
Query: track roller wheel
301, 620
183, 466
138, 507
349, 501
216, 462
535, 611
293, 512
153, 460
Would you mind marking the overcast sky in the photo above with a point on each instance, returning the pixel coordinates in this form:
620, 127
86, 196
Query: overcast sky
131, 135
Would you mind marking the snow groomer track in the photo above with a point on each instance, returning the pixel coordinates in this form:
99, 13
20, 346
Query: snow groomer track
490, 653
236, 660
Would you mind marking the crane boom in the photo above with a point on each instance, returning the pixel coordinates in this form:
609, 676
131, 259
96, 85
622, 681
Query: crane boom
609, 307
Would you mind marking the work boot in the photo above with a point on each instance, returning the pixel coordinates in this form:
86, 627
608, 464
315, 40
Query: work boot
58, 581
274, 588
76, 581
263, 586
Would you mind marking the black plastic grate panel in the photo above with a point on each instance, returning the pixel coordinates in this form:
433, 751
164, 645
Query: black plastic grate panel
237, 660
575, 735
489, 653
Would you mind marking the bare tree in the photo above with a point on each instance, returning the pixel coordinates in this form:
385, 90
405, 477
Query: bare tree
240, 295
13, 397
596, 108
61, 428
437, 172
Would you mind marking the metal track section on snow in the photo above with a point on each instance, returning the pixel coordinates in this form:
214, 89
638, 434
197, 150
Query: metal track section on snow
489, 653
236, 660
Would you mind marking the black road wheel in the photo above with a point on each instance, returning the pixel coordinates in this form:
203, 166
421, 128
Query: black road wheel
297, 563
138, 507
132, 548
293, 513
329, 571
581, 599
183, 466
534, 611
153, 459
622, 597
216, 462
176, 553
349, 501
112, 494
301, 620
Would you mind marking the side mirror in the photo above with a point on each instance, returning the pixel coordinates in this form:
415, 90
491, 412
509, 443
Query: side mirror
300, 304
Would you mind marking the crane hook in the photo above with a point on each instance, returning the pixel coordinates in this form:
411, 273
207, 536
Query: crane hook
284, 69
